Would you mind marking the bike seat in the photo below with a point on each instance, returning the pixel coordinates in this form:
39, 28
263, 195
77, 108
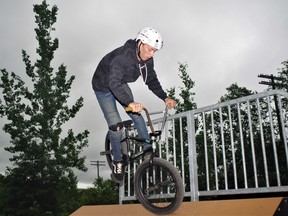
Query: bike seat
127, 123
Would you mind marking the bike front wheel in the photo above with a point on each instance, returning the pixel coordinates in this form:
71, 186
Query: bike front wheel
158, 186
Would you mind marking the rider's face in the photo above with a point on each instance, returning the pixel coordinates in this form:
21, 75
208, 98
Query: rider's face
146, 51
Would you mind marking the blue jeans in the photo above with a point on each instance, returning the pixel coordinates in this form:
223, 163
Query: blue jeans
107, 102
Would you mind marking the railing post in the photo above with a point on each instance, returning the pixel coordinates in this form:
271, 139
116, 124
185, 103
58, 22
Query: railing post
192, 157
121, 194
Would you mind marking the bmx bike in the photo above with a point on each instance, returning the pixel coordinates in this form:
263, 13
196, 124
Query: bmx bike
158, 185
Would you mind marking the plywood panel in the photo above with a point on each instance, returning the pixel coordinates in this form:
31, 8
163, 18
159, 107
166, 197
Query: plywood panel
242, 207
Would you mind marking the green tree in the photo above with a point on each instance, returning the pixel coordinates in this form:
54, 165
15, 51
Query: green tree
104, 192
281, 81
251, 115
231, 123
206, 131
41, 180
185, 103
282, 84
236, 113
234, 91
283, 73
277, 82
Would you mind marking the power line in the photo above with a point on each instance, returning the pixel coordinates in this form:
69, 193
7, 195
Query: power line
98, 164
272, 79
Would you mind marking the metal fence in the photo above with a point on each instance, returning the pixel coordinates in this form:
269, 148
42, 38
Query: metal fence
234, 147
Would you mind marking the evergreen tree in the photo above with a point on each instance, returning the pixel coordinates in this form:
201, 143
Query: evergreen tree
185, 103
41, 180
282, 84
230, 124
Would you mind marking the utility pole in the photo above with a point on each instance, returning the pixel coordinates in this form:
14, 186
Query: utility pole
273, 84
98, 164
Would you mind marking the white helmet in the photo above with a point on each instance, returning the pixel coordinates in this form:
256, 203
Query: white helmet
151, 37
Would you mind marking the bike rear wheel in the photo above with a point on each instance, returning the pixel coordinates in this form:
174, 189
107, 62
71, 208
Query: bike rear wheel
108, 148
109, 152
158, 186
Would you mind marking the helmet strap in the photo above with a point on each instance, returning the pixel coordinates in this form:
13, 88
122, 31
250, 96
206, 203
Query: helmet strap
138, 49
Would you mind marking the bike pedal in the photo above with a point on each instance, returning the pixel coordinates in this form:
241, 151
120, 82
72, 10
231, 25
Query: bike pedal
105, 152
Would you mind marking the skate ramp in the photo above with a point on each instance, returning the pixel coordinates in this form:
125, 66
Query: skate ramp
241, 207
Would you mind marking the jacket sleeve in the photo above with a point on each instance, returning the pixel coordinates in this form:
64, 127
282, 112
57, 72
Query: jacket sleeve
153, 82
116, 82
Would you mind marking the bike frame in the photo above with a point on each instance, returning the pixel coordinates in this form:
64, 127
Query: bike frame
153, 135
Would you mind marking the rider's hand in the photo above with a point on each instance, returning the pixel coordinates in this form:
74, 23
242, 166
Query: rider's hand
170, 103
137, 107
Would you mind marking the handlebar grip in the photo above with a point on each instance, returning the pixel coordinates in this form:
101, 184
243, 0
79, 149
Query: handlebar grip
129, 109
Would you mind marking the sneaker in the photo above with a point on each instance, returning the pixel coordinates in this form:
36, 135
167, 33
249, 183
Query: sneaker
117, 172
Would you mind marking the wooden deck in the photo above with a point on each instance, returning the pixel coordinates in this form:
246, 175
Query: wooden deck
241, 207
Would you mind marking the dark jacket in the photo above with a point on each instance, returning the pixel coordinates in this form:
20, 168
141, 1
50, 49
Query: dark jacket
122, 66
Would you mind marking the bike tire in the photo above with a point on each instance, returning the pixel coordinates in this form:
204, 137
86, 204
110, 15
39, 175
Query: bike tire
108, 148
164, 192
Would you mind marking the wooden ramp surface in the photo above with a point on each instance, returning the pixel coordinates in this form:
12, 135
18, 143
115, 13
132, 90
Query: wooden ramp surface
241, 207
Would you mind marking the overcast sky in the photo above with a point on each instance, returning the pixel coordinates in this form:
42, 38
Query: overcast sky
222, 41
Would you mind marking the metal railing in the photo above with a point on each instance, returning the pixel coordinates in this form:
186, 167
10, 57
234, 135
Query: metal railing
238, 146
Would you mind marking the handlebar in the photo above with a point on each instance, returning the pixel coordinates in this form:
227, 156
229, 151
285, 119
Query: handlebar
130, 109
